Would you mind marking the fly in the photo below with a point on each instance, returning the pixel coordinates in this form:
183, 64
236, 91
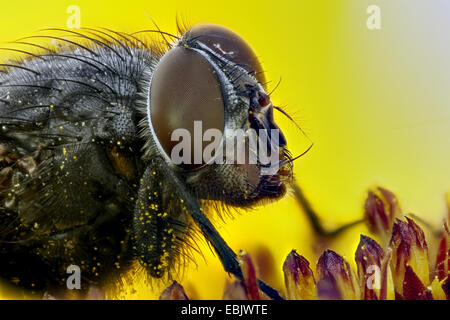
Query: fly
87, 169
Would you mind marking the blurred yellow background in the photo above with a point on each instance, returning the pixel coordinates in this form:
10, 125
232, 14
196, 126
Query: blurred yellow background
375, 103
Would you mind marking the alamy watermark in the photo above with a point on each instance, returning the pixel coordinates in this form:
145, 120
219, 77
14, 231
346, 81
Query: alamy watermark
74, 19
374, 20
74, 280
374, 279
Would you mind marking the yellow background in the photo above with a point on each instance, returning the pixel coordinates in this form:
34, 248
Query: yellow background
375, 103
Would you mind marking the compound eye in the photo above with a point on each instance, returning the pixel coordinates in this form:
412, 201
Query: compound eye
230, 45
185, 89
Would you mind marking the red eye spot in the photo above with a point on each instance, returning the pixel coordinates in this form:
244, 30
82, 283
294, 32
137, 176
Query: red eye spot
230, 45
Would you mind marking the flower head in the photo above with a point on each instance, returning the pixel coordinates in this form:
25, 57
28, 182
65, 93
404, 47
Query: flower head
399, 271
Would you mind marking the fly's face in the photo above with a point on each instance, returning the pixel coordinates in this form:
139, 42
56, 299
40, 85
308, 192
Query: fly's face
212, 119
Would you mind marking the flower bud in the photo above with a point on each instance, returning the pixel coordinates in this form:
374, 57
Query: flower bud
409, 249
336, 279
443, 254
381, 208
374, 274
299, 278
249, 273
235, 291
174, 292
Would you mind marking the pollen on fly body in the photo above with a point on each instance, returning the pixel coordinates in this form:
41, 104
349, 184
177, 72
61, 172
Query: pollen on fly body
87, 176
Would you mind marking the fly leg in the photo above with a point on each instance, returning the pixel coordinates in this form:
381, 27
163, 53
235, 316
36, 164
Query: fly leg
313, 217
226, 254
